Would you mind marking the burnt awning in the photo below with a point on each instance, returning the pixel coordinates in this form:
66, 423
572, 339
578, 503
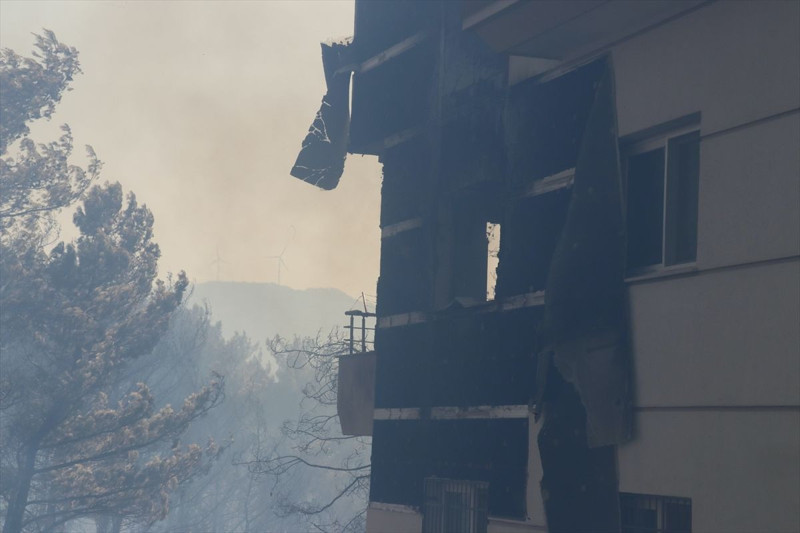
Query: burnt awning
321, 159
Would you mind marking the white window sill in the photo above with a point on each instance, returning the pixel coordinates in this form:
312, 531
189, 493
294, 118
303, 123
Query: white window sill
660, 271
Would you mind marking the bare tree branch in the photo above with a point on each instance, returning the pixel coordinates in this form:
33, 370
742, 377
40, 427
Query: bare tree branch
316, 438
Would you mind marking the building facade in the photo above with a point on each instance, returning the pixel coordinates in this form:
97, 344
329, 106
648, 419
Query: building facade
589, 295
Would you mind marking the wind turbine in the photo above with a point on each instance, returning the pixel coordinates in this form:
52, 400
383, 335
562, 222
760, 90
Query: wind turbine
279, 257
218, 262
280, 263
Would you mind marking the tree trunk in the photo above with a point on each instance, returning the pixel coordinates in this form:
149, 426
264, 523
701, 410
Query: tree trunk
102, 524
19, 501
116, 524
108, 524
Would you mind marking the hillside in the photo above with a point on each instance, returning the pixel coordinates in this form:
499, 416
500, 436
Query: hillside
266, 309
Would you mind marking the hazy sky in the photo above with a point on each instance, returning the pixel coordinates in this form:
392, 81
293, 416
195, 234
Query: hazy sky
200, 109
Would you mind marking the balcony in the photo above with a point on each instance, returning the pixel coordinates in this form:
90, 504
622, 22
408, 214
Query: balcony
355, 401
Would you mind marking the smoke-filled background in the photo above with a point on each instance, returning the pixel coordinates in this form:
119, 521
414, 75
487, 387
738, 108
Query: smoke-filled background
200, 109
206, 403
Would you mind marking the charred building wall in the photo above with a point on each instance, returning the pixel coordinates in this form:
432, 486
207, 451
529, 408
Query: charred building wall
461, 150
654, 243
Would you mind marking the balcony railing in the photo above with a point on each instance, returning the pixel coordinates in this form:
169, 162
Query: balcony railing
361, 336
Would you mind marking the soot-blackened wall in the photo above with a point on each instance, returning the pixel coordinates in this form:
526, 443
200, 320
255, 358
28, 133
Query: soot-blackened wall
468, 360
405, 452
545, 123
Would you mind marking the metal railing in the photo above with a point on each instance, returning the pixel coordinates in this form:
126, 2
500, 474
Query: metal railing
455, 506
366, 334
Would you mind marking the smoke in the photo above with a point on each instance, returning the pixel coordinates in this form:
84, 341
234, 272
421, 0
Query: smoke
199, 108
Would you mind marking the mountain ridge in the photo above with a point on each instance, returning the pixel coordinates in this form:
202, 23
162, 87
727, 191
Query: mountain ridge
262, 309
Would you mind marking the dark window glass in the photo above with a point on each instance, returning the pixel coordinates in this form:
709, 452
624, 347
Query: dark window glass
683, 172
678, 517
645, 208
645, 513
640, 521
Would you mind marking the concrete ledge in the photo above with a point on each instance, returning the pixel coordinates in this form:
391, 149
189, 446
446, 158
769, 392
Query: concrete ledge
393, 518
505, 525
552, 183
393, 229
453, 413
530, 299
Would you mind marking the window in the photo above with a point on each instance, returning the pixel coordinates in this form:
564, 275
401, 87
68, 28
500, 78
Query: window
644, 513
455, 506
474, 247
492, 258
662, 177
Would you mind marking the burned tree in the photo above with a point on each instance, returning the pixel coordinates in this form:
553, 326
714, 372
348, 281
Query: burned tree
313, 445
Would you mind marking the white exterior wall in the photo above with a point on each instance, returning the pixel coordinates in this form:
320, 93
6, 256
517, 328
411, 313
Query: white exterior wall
719, 338
749, 193
740, 468
736, 63
717, 352
717, 372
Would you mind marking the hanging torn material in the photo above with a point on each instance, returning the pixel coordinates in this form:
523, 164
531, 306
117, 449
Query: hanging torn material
585, 297
584, 376
321, 158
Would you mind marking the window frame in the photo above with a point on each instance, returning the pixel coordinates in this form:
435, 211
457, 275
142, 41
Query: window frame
642, 145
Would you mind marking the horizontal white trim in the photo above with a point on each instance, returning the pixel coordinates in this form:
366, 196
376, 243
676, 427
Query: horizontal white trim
392, 507
691, 269
715, 408
557, 181
660, 271
708, 135
530, 299
393, 229
403, 319
519, 301
518, 523
401, 137
396, 413
454, 413
391, 52
394, 139
480, 411
407, 509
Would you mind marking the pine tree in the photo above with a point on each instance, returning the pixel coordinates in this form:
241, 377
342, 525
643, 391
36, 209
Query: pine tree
71, 320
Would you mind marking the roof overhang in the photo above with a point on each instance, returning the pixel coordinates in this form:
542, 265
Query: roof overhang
561, 30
